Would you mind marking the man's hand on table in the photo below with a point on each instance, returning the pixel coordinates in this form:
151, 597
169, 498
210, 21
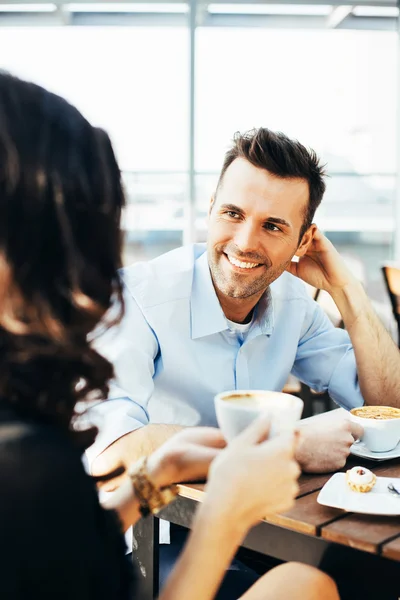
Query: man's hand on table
324, 446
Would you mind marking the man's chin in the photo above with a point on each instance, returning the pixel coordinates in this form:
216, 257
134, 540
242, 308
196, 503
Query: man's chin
240, 293
234, 287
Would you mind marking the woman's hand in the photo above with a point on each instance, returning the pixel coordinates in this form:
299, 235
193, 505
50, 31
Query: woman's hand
186, 456
253, 477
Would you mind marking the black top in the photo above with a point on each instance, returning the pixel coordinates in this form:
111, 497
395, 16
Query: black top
56, 542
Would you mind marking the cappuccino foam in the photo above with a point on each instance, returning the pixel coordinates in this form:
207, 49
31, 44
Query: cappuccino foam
380, 413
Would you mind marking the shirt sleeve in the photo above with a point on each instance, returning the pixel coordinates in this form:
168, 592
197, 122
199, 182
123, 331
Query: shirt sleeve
131, 346
325, 359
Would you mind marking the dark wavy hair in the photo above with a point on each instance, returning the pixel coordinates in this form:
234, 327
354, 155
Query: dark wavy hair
283, 157
60, 250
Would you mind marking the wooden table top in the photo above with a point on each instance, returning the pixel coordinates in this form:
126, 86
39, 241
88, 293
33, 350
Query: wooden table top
374, 534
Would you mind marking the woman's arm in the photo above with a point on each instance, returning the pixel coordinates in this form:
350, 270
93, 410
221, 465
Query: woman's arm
249, 480
206, 556
185, 457
208, 553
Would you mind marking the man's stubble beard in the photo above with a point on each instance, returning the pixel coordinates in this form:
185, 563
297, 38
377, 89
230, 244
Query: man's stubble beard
260, 285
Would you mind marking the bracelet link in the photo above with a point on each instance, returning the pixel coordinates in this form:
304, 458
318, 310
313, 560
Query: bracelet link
151, 498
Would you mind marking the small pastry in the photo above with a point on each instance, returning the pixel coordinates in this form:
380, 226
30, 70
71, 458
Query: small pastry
360, 479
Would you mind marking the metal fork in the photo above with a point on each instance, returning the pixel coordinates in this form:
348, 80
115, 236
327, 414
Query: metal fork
393, 490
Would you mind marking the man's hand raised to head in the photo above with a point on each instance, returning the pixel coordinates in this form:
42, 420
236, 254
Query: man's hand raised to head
376, 354
324, 447
322, 266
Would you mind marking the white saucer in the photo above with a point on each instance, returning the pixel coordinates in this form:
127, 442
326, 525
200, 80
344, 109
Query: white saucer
360, 449
337, 494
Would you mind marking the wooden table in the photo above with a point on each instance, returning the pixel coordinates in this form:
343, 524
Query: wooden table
305, 533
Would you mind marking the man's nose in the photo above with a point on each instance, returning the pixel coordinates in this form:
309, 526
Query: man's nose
246, 238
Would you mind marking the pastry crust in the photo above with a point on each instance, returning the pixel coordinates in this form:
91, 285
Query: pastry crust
360, 487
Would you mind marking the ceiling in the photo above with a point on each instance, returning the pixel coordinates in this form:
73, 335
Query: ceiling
288, 14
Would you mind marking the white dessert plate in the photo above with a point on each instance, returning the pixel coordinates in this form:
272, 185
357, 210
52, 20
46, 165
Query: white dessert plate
379, 501
360, 449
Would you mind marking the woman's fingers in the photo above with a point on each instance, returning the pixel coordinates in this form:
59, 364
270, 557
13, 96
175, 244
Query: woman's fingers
294, 469
204, 436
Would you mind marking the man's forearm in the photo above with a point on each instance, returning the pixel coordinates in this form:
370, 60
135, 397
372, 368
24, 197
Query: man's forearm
129, 448
377, 356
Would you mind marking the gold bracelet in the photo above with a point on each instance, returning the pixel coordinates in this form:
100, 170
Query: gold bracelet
151, 498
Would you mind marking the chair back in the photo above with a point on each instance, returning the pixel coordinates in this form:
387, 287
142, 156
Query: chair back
391, 275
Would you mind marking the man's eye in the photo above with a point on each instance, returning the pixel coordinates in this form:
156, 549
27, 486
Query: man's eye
232, 214
271, 227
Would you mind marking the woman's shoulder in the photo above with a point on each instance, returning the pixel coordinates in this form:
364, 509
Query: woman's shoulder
49, 509
34, 453
18, 433
41, 473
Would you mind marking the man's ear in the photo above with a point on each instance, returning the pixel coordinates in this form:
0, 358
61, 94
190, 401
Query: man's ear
306, 240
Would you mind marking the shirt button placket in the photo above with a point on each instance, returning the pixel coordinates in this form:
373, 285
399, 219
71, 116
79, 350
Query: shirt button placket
242, 370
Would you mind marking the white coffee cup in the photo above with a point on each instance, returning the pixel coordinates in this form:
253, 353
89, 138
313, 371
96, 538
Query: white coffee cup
380, 434
236, 409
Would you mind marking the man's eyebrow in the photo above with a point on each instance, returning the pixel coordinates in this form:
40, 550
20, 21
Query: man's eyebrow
232, 207
278, 221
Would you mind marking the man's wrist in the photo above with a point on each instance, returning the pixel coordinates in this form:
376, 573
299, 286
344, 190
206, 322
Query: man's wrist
301, 454
351, 301
351, 293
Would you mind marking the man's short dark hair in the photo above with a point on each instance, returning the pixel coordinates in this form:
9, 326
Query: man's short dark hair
283, 157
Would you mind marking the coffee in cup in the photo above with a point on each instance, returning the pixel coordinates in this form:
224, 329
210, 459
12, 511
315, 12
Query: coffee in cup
380, 413
381, 426
236, 409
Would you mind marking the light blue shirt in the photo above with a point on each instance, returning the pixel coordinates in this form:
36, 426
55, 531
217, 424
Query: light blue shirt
174, 351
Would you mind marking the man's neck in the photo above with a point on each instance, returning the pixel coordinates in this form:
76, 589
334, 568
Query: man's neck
238, 310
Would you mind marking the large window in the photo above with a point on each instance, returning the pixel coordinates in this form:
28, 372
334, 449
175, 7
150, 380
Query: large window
133, 82
316, 76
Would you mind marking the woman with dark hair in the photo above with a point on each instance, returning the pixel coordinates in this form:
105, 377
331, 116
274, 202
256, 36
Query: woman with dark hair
60, 250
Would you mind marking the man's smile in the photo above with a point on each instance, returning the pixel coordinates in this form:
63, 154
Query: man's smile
241, 265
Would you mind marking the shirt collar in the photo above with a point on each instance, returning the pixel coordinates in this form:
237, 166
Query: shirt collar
264, 321
207, 316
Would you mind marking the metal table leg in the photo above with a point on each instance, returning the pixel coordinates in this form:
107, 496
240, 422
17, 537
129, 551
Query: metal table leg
145, 554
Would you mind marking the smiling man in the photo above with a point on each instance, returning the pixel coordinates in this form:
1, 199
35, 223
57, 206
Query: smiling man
235, 314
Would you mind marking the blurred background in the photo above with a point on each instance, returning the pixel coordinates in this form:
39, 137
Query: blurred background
172, 81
